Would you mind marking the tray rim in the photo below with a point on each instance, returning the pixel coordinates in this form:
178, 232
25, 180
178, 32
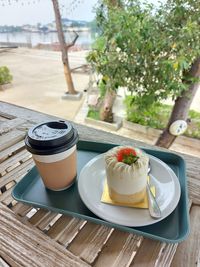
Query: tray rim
99, 220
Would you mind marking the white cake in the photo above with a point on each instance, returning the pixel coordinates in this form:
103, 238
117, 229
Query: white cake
126, 182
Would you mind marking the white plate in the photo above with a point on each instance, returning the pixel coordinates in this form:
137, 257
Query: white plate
91, 182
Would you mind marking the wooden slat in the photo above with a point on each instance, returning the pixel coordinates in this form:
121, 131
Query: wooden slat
42, 218
194, 190
90, 241
188, 252
21, 209
9, 185
128, 251
7, 115
14, 166
95, 242
44, 224
39, 216
14, 202
71, 231
23, 160
147, 253
3, 263
159, 254
22, 245
31, 213
12, 161
9, 198
10, 139
11, 150
192, 166
57, 229
15, 111
53, 221
166, 255
7, 201
2, 119
6, 194
16, 173
8, 125
26, 126
162, 253
112, 249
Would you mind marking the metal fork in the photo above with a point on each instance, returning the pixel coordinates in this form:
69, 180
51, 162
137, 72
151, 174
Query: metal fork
154, 208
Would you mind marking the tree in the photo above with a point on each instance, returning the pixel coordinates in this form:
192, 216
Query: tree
64, 48
152, 53
184, 14
181, 107
104, 12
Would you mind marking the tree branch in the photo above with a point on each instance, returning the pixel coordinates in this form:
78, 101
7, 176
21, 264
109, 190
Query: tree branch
74, 41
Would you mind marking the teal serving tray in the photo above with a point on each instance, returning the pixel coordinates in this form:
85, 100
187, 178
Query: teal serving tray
175, 228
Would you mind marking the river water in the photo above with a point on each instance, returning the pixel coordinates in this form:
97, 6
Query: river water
34, 38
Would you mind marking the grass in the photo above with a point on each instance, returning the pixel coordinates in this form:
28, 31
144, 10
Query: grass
157, 117
93, 114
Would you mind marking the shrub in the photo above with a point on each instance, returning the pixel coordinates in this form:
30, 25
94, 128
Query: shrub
157, 115
5, 76
93, 114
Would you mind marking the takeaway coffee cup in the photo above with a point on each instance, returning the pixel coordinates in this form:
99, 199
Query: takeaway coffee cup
53, 146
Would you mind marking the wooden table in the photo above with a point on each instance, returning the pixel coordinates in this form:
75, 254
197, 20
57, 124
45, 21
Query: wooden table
37, 237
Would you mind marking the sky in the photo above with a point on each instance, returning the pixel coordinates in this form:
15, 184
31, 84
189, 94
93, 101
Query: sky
33, 11
21, 12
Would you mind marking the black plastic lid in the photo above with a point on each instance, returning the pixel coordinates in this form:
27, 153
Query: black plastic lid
51, 137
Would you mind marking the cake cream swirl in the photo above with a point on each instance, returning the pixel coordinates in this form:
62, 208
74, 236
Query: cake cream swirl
123, 178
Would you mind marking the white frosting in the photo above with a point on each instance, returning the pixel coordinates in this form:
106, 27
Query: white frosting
123, 178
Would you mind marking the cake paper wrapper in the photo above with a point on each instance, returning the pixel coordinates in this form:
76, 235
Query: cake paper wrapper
105, 198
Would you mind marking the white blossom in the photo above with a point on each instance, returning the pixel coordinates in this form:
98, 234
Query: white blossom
118, 49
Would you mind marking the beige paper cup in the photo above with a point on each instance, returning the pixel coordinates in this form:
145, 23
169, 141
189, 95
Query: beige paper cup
53, 147
58, 171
